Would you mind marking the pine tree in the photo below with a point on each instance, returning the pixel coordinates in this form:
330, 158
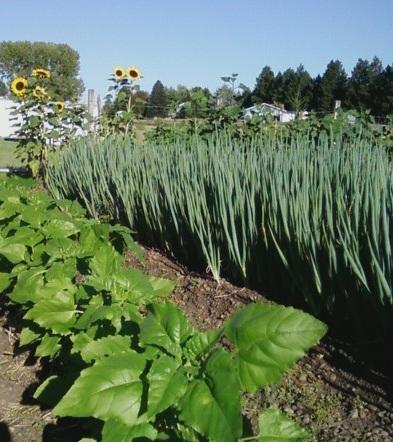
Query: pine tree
383, 93
316, 94
264, 88
332, 86
363, 84
158, 101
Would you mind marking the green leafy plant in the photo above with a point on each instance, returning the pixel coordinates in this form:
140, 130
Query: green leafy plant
130, 360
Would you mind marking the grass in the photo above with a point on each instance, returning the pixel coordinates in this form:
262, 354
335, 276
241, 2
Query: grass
8, 154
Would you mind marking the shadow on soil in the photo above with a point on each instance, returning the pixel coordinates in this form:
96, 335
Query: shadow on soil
5, 435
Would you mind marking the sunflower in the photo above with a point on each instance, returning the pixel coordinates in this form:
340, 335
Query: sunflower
40, 93
59, 106
134, 73
119, 73
19, 86
41, 73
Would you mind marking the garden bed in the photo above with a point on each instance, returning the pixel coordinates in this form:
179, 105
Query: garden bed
331, 391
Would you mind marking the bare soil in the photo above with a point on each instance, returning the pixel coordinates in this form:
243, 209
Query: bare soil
341, 391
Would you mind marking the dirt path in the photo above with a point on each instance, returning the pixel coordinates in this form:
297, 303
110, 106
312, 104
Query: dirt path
332, 391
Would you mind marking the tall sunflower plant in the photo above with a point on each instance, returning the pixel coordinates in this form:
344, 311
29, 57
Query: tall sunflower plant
119, 116
42, 124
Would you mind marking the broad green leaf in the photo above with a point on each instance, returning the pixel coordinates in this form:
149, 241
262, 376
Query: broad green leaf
201, 343
107, 346
7, 229
111, 388
79, 341
162, 287
269, 339
60, 288
12, 251
59, 228
37, 256
89, 242
58, 270
32, 215
165, 326
5, 281
72, 207
125, 234
211, 406
27, 336
54, 314
26, 236
9, 195
94, 313
42, 387
84, 293
7, 210
131, 285
28, 286
49, 346
275, 426
131, 312
20, 268
166, 385
105, 262
115, 431
60, 248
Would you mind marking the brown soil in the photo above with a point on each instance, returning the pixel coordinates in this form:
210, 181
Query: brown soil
334, 391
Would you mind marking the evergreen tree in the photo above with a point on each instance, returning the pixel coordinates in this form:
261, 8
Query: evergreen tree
289, 88
296, 89
278, 90
305, 90
332, 86
158, 101
264, 88
363, 84
383, 92
316, 94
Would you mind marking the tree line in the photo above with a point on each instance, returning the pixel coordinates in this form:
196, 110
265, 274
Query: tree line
368, 87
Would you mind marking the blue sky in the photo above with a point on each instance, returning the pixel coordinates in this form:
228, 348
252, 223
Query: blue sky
195, 42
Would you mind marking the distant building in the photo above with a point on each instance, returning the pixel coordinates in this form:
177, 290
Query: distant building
265, 109
93, 103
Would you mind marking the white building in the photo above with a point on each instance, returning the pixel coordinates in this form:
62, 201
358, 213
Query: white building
7, 129
264, 109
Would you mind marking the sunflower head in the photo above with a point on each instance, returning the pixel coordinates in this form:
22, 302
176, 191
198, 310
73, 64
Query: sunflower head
40, 93
19, 86
59, 105
134, 73
119, 73
41, 73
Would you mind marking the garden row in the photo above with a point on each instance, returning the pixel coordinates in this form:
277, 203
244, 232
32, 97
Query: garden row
119, 352
307, 217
